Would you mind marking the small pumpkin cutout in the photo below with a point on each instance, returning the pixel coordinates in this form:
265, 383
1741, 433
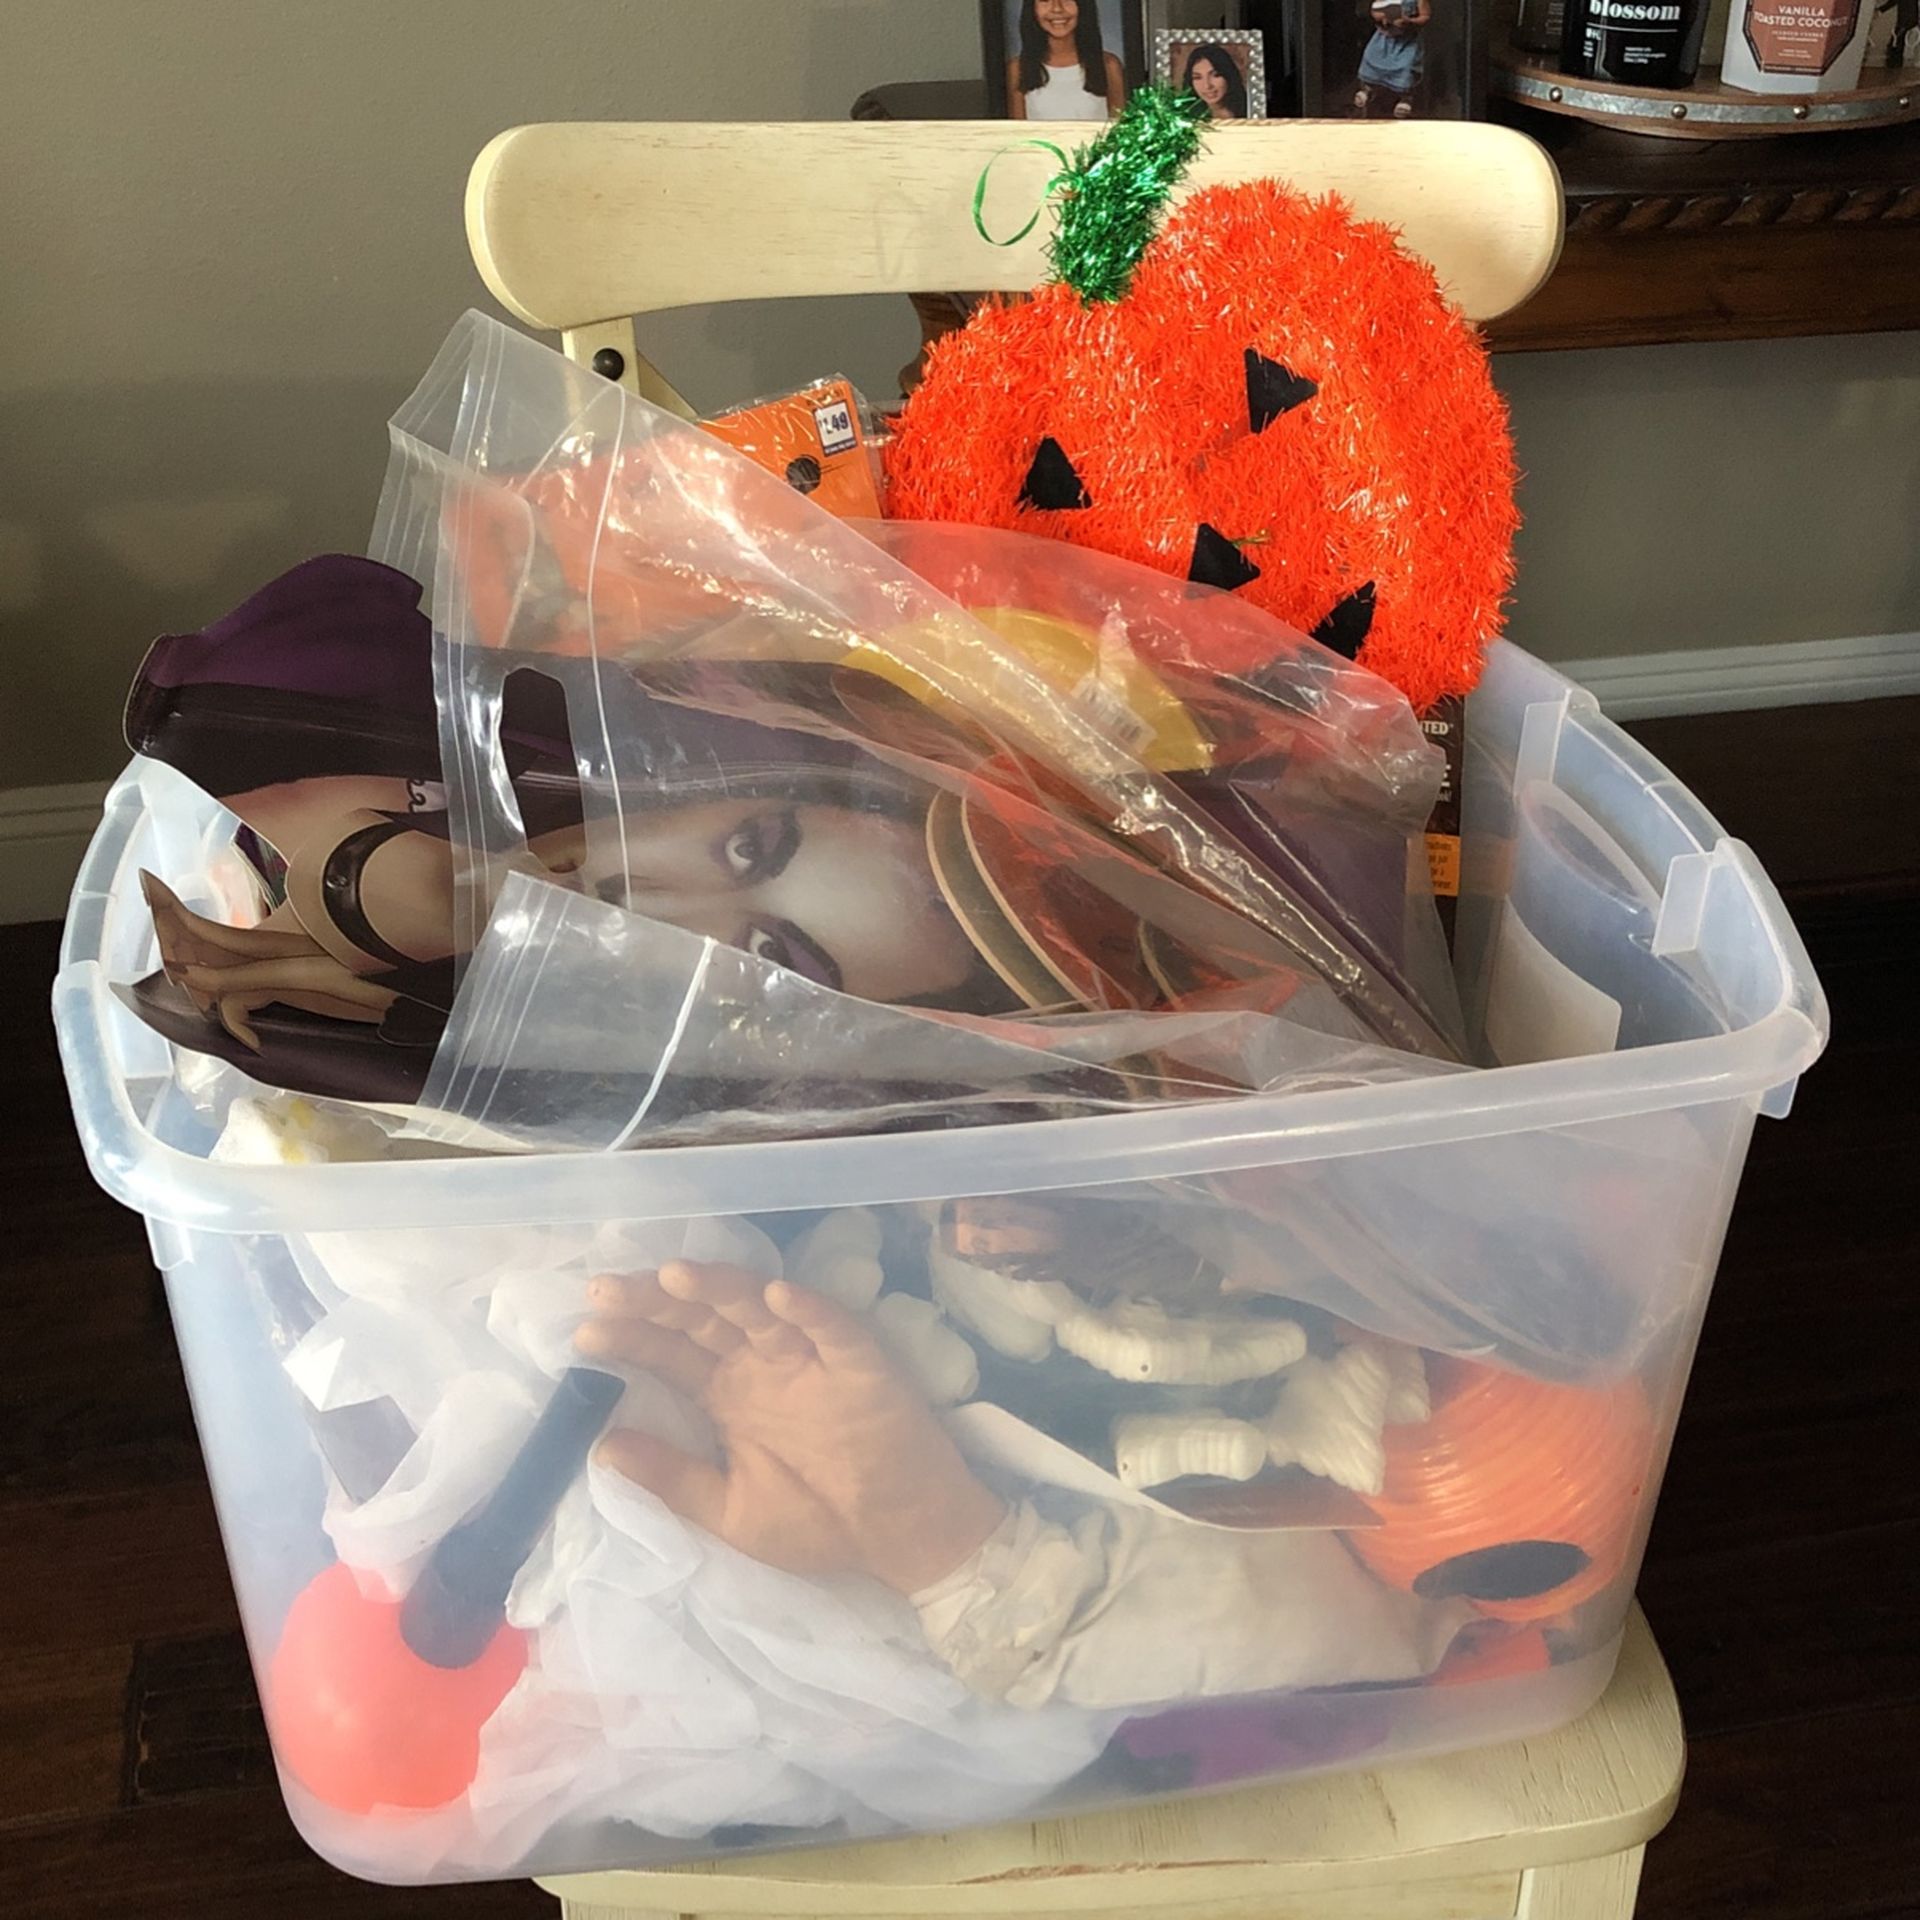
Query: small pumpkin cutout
1280, 403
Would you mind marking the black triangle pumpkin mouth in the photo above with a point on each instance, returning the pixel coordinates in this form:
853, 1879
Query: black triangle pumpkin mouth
1217, 562
1051, 484
1348, 623
1273, 389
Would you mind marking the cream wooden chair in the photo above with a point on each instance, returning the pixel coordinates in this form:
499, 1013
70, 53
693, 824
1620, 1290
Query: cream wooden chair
577, 229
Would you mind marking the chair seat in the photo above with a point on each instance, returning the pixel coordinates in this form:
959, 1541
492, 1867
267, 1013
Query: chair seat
1461, 1835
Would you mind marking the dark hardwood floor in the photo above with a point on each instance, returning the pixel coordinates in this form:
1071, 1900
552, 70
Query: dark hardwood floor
1781, 1580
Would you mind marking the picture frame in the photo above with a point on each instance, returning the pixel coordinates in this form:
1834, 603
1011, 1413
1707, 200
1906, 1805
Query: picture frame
1288, 30
1120, 40
1226, 66
1394, 59
1176, 14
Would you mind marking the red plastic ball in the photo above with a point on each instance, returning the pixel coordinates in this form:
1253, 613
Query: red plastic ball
360, 1720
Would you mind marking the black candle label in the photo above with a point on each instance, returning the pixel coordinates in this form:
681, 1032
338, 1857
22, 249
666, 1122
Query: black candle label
1633, 39
1645, 43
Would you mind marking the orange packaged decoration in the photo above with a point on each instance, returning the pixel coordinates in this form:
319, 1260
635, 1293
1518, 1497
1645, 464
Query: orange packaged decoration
539, 576
550, 563
1277, 400
816, 440
1516, 1494
535, 576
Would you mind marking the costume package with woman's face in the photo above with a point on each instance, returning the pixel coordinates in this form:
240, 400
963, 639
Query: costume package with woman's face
936, 768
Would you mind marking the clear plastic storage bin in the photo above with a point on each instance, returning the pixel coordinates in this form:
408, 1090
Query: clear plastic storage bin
1545, 1233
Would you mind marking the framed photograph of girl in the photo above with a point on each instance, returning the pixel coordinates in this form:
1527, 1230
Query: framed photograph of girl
1061, 59
1401, 59
1226, 67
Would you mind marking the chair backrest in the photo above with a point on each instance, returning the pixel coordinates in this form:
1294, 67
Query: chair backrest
578, 226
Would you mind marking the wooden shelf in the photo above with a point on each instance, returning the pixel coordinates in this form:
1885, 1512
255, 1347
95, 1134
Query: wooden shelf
1668, 240
1710, 109
1724, 240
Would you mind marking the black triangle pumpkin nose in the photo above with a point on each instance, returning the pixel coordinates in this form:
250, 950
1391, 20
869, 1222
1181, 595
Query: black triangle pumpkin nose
1051, 483
1217, 562
1349, 623
1273, 390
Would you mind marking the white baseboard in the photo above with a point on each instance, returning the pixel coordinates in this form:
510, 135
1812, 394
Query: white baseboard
1792, 673
43, 833
44, 830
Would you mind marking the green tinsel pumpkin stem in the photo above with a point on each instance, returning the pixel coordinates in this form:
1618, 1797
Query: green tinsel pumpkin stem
1116, 191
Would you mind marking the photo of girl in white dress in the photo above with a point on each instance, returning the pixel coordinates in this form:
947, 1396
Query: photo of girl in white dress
1063, 61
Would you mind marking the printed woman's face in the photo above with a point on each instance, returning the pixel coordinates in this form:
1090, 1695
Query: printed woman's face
1208, 82
846, 899
1058, 18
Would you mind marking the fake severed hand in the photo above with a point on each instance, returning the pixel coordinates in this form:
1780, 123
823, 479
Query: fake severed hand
832, 1462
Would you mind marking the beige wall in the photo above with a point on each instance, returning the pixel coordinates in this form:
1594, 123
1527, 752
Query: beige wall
230, 241
1718, 496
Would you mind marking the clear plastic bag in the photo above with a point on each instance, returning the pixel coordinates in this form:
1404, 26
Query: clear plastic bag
1339, 829
582, 1026
1028, 817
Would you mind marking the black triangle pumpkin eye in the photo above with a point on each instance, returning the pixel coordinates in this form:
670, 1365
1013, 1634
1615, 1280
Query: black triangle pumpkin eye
1349, 622
1217, 562
1051, 483
1272, 390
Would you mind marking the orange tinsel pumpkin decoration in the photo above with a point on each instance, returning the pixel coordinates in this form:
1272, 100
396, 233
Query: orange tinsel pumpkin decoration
1281, 403
1519, 1495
